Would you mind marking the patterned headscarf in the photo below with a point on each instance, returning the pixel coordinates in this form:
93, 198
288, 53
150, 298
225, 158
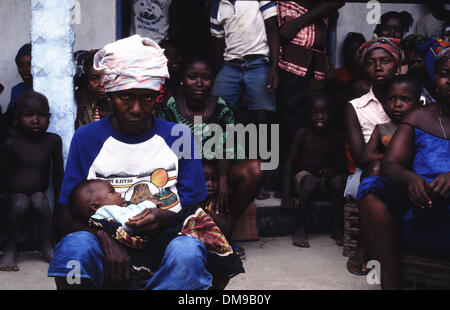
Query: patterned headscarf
133, 62
442, 57
390, 45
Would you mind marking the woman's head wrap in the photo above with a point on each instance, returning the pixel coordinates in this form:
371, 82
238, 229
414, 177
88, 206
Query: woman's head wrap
442, 57
133, 62
390, 45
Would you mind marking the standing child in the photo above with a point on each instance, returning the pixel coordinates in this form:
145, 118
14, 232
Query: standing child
402, 96
25, 165
316, 159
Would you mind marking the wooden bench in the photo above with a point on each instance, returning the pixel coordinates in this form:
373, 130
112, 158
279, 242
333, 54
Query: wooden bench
417, 272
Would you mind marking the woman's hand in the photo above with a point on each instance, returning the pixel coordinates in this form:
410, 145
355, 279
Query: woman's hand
440, 186
419, 191
116, 263
221, 205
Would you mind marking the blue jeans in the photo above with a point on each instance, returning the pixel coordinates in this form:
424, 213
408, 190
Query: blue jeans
250, 76
182, 267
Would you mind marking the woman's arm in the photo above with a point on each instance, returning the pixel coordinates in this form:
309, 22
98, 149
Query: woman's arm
355, 137
397, 162
370, 151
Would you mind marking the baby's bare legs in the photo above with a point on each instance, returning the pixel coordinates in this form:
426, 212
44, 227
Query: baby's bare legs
40, 204
19, 205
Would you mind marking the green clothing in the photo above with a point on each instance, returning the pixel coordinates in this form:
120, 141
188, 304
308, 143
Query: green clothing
222, 115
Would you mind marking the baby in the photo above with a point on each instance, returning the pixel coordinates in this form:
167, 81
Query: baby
97, 201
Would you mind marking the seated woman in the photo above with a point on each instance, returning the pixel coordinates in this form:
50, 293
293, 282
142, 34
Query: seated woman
380, 59
92, 104
244, 178
417, 164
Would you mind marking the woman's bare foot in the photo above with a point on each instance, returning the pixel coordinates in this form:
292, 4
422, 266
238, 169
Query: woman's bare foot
9, 263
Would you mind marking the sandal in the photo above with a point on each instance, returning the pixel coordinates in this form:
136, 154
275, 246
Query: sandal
359, 268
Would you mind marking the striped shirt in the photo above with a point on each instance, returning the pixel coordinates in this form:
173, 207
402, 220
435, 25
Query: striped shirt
308, 46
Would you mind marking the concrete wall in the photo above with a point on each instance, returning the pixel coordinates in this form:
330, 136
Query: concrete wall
352, 18
94, 26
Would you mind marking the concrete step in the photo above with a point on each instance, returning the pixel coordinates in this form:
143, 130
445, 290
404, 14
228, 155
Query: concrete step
272, 221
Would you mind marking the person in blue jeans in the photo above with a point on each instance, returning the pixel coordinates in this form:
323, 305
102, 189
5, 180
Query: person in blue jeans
247, 35
133, 151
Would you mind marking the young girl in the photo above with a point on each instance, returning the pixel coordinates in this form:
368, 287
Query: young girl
402, 96
244, 177
417, 164
92, 104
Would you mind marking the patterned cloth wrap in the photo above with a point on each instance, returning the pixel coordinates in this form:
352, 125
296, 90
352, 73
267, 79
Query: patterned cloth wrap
195, 223
391, 45
133, 62
199, 225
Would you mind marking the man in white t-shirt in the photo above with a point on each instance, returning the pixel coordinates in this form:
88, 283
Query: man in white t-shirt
250, 35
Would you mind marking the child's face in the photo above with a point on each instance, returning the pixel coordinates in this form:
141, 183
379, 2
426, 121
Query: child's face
34, 117
442, 78
107, 195
24, 68
379, 66
212, 181
319, 114
174, 59
96, 83
351, 50
198, 81
392, 28
400, 99
415, 62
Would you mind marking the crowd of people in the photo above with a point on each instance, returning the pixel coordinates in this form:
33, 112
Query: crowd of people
375, 131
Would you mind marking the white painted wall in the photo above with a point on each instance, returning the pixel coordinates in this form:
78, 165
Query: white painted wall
97, 27
352, 18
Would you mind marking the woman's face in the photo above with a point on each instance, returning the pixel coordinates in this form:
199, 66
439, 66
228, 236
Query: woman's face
379, 66
197, 81
133, 109
442, 78
95, 82
392, 28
